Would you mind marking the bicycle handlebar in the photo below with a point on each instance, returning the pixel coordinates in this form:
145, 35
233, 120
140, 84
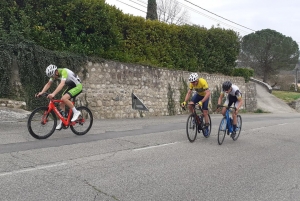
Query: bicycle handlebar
200, 108
45, 94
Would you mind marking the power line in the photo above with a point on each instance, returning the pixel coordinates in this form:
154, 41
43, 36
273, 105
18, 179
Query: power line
131, 6
175, 18
216, 19
194, 10
138, 4
219, 16
207, 16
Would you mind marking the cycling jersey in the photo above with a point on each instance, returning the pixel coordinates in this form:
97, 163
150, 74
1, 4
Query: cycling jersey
234, 96
235, 92
201, 87
71, 78
72, 81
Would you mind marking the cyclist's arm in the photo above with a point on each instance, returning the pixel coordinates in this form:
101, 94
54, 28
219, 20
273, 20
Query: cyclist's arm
207, 95
46, 87
205, 88
188, 95
59, 87
239, 98
240, 103
220, 98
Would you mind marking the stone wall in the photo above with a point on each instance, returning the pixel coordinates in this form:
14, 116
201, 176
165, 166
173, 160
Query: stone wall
295, 104
12, 103
108, 87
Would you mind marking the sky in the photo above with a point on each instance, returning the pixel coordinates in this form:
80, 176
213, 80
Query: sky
242, 16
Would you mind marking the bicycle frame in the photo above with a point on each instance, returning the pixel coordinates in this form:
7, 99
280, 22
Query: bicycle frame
228, 119
228, 126
51, 106
195, 108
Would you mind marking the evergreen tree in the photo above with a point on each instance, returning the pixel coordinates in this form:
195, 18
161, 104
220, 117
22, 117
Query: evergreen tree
268, 51
152, 10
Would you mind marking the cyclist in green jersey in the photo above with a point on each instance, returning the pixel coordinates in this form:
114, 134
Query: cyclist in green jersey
68, 78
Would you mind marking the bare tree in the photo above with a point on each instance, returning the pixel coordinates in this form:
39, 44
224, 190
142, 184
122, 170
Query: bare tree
171, 12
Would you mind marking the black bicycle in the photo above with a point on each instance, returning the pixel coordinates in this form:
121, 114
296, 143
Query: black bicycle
226, 126
196, 123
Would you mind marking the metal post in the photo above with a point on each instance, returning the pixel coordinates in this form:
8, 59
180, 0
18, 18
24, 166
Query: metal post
296, 81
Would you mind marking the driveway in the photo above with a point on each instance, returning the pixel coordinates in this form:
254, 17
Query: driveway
270, 103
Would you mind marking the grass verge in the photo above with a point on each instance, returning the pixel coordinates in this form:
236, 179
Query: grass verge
286, 96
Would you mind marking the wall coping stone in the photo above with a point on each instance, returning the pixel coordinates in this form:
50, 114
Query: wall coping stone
266, 85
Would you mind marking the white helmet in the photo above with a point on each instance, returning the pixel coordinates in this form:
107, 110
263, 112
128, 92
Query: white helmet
193, 77
50, 70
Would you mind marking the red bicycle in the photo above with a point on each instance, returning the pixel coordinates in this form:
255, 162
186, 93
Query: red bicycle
42, 121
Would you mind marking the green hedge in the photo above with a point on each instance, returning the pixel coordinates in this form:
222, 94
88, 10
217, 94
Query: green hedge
31, 61
243, 72
92, 27
37, 33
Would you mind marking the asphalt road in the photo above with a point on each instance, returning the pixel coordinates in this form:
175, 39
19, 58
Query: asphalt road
151, 159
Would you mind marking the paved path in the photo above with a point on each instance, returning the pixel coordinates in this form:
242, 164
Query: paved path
270, 103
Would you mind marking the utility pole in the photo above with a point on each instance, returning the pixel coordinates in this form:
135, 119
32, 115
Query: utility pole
296, 81
296, 75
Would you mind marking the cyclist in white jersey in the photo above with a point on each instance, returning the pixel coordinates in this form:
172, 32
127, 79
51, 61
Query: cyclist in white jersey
68, 78
234, 97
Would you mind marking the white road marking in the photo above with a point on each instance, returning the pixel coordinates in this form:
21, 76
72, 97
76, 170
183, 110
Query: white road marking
150, 147
31, 169
266, 127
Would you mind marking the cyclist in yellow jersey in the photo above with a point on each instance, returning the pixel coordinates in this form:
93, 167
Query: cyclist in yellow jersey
234, 96
68, 78
201, 96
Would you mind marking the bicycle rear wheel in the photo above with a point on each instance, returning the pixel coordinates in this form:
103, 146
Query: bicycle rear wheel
238, 127
84, 121
41, 124
191, 128
222, 130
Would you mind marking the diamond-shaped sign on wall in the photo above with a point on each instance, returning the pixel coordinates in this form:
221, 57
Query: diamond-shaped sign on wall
137, 104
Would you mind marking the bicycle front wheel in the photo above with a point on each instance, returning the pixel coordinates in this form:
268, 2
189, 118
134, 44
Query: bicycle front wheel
191, 128
84, 121
41, 124
222, 130
238, 127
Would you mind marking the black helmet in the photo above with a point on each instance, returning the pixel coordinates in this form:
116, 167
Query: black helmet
226, 85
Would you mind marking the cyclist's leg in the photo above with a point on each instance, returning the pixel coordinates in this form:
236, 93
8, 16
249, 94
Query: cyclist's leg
195, 99
207, 126
234, 115
226, 105
205, 110
62, 105
71, 92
